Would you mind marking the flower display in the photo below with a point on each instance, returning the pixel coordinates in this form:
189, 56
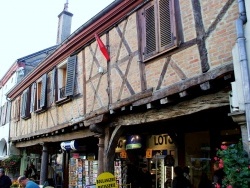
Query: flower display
234, 160
15, 184
11, 164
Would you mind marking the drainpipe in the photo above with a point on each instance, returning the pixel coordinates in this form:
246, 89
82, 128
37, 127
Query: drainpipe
241, 40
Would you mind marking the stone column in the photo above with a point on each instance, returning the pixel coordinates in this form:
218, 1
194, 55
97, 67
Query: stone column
100, 154
240, 119
44, 164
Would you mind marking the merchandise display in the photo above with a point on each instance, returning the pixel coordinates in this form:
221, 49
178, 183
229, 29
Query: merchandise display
120, 172
82, 172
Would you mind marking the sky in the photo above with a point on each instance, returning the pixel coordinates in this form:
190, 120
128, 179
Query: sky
28, 26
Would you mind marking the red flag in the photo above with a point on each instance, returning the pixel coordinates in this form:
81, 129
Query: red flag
102, 47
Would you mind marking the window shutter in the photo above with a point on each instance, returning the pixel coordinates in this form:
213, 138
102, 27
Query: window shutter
76, 86
55, 78
18, 108
23, 102
8, 112
167, 25
49, 90
43, 92
150, 47
53, 86
25, 106
4, 109
32, 98
15, 110
0, 115
70, 82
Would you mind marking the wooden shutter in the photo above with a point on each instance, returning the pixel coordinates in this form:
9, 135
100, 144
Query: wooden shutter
8, 112
43, 92
167, 25
14, 110
76, 86
55, 78
150, 30
18, 108
53, 86
23, 106
70, 81
0, 115
4, 109
49, 91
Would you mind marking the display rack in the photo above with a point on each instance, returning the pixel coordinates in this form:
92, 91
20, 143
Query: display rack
82, 173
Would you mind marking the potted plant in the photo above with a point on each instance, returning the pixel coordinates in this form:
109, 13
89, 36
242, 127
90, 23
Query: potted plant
235, 163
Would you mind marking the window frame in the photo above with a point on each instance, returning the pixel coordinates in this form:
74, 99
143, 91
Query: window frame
25, 104
41, 94
65, 76
151, 37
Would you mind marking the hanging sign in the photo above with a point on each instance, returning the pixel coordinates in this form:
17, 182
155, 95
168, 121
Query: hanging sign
133, 142
69, 145
149, 153
123, 154
161, 142
106, 180
120, 145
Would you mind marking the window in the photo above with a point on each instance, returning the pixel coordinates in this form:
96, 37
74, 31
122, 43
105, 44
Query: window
66, 79
33, 98
62, 73
41, 96
25, 104
158, 28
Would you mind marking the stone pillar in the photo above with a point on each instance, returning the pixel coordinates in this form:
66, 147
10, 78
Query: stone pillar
100, 154
240, 119
44, 164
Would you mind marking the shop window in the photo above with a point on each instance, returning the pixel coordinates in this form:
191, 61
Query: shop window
158, 28
41, 87
25, 104
65, 79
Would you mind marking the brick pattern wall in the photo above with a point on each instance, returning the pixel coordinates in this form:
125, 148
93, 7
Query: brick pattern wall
125, 63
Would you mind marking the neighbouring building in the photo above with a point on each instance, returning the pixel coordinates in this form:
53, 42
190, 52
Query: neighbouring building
154, 89
22, 67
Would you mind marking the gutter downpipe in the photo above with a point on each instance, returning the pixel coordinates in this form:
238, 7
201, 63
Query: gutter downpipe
241, 40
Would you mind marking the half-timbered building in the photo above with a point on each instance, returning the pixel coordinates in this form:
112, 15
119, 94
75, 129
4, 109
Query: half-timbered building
165, 82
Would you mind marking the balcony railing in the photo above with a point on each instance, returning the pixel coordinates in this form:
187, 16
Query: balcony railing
62, 92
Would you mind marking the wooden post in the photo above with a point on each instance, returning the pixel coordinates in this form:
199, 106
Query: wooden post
100, 154
44, 164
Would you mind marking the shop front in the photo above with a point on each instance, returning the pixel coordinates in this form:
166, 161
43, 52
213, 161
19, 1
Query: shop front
189, 141
157, 152
77, 165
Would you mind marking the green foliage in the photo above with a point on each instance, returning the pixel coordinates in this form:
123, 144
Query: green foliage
11, 164
236, 166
